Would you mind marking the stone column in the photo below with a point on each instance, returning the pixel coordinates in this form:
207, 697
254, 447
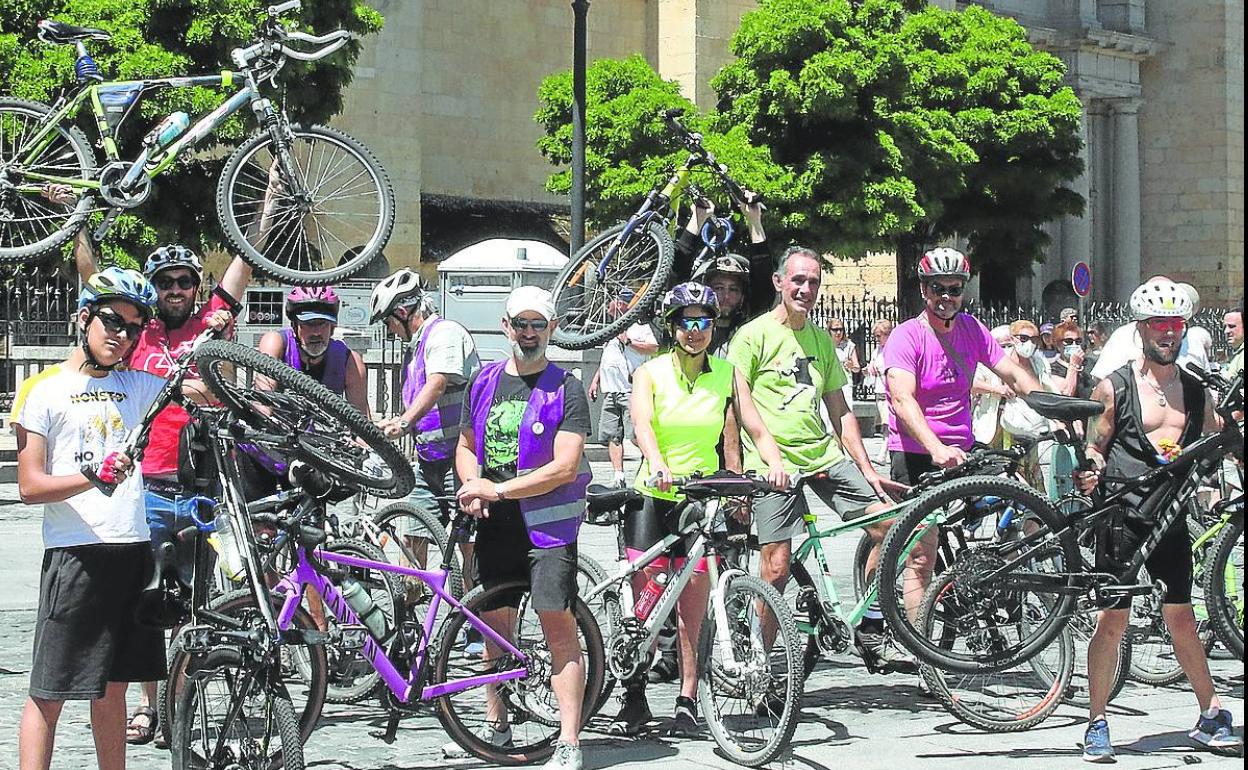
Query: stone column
1077, 231
1100, 175
1126, 174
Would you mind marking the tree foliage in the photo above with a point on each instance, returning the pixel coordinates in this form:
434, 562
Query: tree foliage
888, 125
163, 38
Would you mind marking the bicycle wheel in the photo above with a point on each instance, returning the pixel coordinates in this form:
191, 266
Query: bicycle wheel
30, 225
598, 296
311, 422
1153, 660
808, 614
308, 663
861, 552
1003, 701
607, 613
411, 537
1082, 626
999, 570
528, 703
234, 717
352, 677
325, 224
1224, 586
750, 695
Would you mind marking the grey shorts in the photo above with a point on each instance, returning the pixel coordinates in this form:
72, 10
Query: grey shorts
433, 480
614, 423
780, 516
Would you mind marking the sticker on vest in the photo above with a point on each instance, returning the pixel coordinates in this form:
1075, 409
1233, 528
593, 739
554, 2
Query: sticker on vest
538, 429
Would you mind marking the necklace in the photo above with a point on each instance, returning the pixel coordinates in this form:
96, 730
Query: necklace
1160, 390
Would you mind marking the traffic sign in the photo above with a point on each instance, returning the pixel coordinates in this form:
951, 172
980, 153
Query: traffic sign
1081, 279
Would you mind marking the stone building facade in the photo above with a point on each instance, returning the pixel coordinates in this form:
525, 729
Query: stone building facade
446, 94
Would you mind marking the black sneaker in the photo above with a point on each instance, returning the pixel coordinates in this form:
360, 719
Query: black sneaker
880, 654
664, 670
634, 713
685, 723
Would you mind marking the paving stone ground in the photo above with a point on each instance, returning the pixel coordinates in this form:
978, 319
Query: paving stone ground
851, 720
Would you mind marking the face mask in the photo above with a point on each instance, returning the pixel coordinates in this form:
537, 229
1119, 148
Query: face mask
1070, 351
1026, 349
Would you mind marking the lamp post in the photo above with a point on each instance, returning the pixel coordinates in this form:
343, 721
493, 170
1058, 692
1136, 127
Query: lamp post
580, 10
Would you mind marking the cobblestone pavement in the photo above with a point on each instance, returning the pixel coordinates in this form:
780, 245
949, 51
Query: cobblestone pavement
849, 716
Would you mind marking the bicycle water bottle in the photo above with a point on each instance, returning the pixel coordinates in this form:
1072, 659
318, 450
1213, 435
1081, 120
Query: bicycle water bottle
650, 596
167, 130
369, 613
227, 544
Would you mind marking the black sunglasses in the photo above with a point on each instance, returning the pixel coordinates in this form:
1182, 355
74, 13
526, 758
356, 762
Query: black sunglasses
520, 324
837, 330
184, 282
1028, 337
1072, 341
946, 289
115, 324
695, 323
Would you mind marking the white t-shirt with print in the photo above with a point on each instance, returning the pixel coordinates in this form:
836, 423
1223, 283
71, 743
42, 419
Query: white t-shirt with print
84, 419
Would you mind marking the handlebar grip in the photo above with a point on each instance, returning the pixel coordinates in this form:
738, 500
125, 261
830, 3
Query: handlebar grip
280, 8
673, 113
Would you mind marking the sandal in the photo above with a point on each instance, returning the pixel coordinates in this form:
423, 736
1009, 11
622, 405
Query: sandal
141, 735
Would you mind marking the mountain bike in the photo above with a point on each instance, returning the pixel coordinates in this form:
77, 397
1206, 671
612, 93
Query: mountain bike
748, 692
619, 274
333, 207
1021, 592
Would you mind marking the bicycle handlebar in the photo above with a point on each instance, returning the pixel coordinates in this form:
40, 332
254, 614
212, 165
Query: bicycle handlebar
280, 8
693, 143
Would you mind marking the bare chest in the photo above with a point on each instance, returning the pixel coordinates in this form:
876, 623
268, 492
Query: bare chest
1162, 410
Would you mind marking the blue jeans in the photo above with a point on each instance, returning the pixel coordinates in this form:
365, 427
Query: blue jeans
167, 515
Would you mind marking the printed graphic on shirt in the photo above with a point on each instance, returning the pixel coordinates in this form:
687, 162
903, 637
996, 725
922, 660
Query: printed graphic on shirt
799, 371
502, 435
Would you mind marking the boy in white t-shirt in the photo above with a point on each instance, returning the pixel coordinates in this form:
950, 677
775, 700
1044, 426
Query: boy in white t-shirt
72, 421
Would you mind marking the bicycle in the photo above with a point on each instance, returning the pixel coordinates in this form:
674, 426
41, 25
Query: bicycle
1033, 584
632, 259
332, 214
749, 694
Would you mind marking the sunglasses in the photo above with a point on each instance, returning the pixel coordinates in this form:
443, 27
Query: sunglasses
520, 324
1027, 337
115, 324
1072, 341
184, 282
837, 330
695, 324
1166, 324
946, 289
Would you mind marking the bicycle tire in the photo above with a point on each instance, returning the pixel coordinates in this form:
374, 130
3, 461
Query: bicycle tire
1013, 700
996, 494
361, 246
807, 624
861, 552
714, 679
375, 581
449, 713
342, 417
1150, 639
642, 265
607, 612
1082, 626
82, 165
1226, 612
282, 716
313, 660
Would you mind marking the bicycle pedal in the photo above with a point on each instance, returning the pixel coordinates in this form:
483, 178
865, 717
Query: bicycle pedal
306, 637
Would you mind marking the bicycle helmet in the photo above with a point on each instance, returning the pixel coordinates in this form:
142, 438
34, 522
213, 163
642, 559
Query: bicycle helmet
170, 256
316, 303
403, 288
1192, 294
690, 294
119, 283
944, 262
729, 264
1160, 299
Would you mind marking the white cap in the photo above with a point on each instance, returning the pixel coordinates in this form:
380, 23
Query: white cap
531, 298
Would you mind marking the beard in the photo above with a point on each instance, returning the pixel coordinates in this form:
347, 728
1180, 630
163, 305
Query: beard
528, 355
315, 349
175, 317
1158, 355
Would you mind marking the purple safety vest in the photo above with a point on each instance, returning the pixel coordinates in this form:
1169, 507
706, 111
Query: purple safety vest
334, 375
437, 432
552, 519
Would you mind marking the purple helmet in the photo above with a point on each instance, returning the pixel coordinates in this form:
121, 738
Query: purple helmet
312, 303
690, 294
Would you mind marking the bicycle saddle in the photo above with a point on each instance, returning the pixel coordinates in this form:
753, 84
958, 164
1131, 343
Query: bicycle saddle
60, 33
1064, 408
600, 498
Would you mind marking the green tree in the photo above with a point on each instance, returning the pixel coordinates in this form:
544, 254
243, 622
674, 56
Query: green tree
162, 38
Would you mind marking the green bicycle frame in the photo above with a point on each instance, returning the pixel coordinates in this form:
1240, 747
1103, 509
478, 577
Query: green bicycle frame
155, 165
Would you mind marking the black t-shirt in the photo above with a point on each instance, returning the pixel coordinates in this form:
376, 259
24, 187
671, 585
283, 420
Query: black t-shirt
502, 426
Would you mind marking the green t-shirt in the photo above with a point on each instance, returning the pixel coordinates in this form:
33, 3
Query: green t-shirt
789, 371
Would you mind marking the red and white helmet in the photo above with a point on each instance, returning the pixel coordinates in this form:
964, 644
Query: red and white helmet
945, 262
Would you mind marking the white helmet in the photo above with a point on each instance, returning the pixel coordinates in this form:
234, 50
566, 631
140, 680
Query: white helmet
1192, 294
173, 255
1160, 299
944, 262
403, 288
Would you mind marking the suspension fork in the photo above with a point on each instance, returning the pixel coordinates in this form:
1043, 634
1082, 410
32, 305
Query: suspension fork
277, 125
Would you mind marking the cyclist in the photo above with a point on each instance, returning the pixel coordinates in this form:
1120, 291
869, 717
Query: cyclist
1149, 402
681, 402
1125, 346
1233, 327
522, 461
71, 421
791, 367
308, 345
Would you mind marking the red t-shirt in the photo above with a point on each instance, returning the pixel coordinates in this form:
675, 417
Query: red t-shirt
149, 355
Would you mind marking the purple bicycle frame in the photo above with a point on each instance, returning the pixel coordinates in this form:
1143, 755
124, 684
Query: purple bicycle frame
292, 586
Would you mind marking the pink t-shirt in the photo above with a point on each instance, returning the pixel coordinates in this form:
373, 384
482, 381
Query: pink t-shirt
161, 455
944, 385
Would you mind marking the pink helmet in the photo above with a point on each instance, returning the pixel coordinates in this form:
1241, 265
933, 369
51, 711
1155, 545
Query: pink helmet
312, 303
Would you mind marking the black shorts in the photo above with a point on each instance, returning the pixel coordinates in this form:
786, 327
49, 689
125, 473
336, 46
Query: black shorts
907, 467
655, 520
1170, 562
504, 553
86, 634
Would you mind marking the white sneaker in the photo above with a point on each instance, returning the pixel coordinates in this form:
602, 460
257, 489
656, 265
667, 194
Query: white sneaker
567, 757
496, 738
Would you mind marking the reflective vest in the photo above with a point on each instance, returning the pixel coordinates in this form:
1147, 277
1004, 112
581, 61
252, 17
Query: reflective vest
334, 375
437, 432
552, 519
